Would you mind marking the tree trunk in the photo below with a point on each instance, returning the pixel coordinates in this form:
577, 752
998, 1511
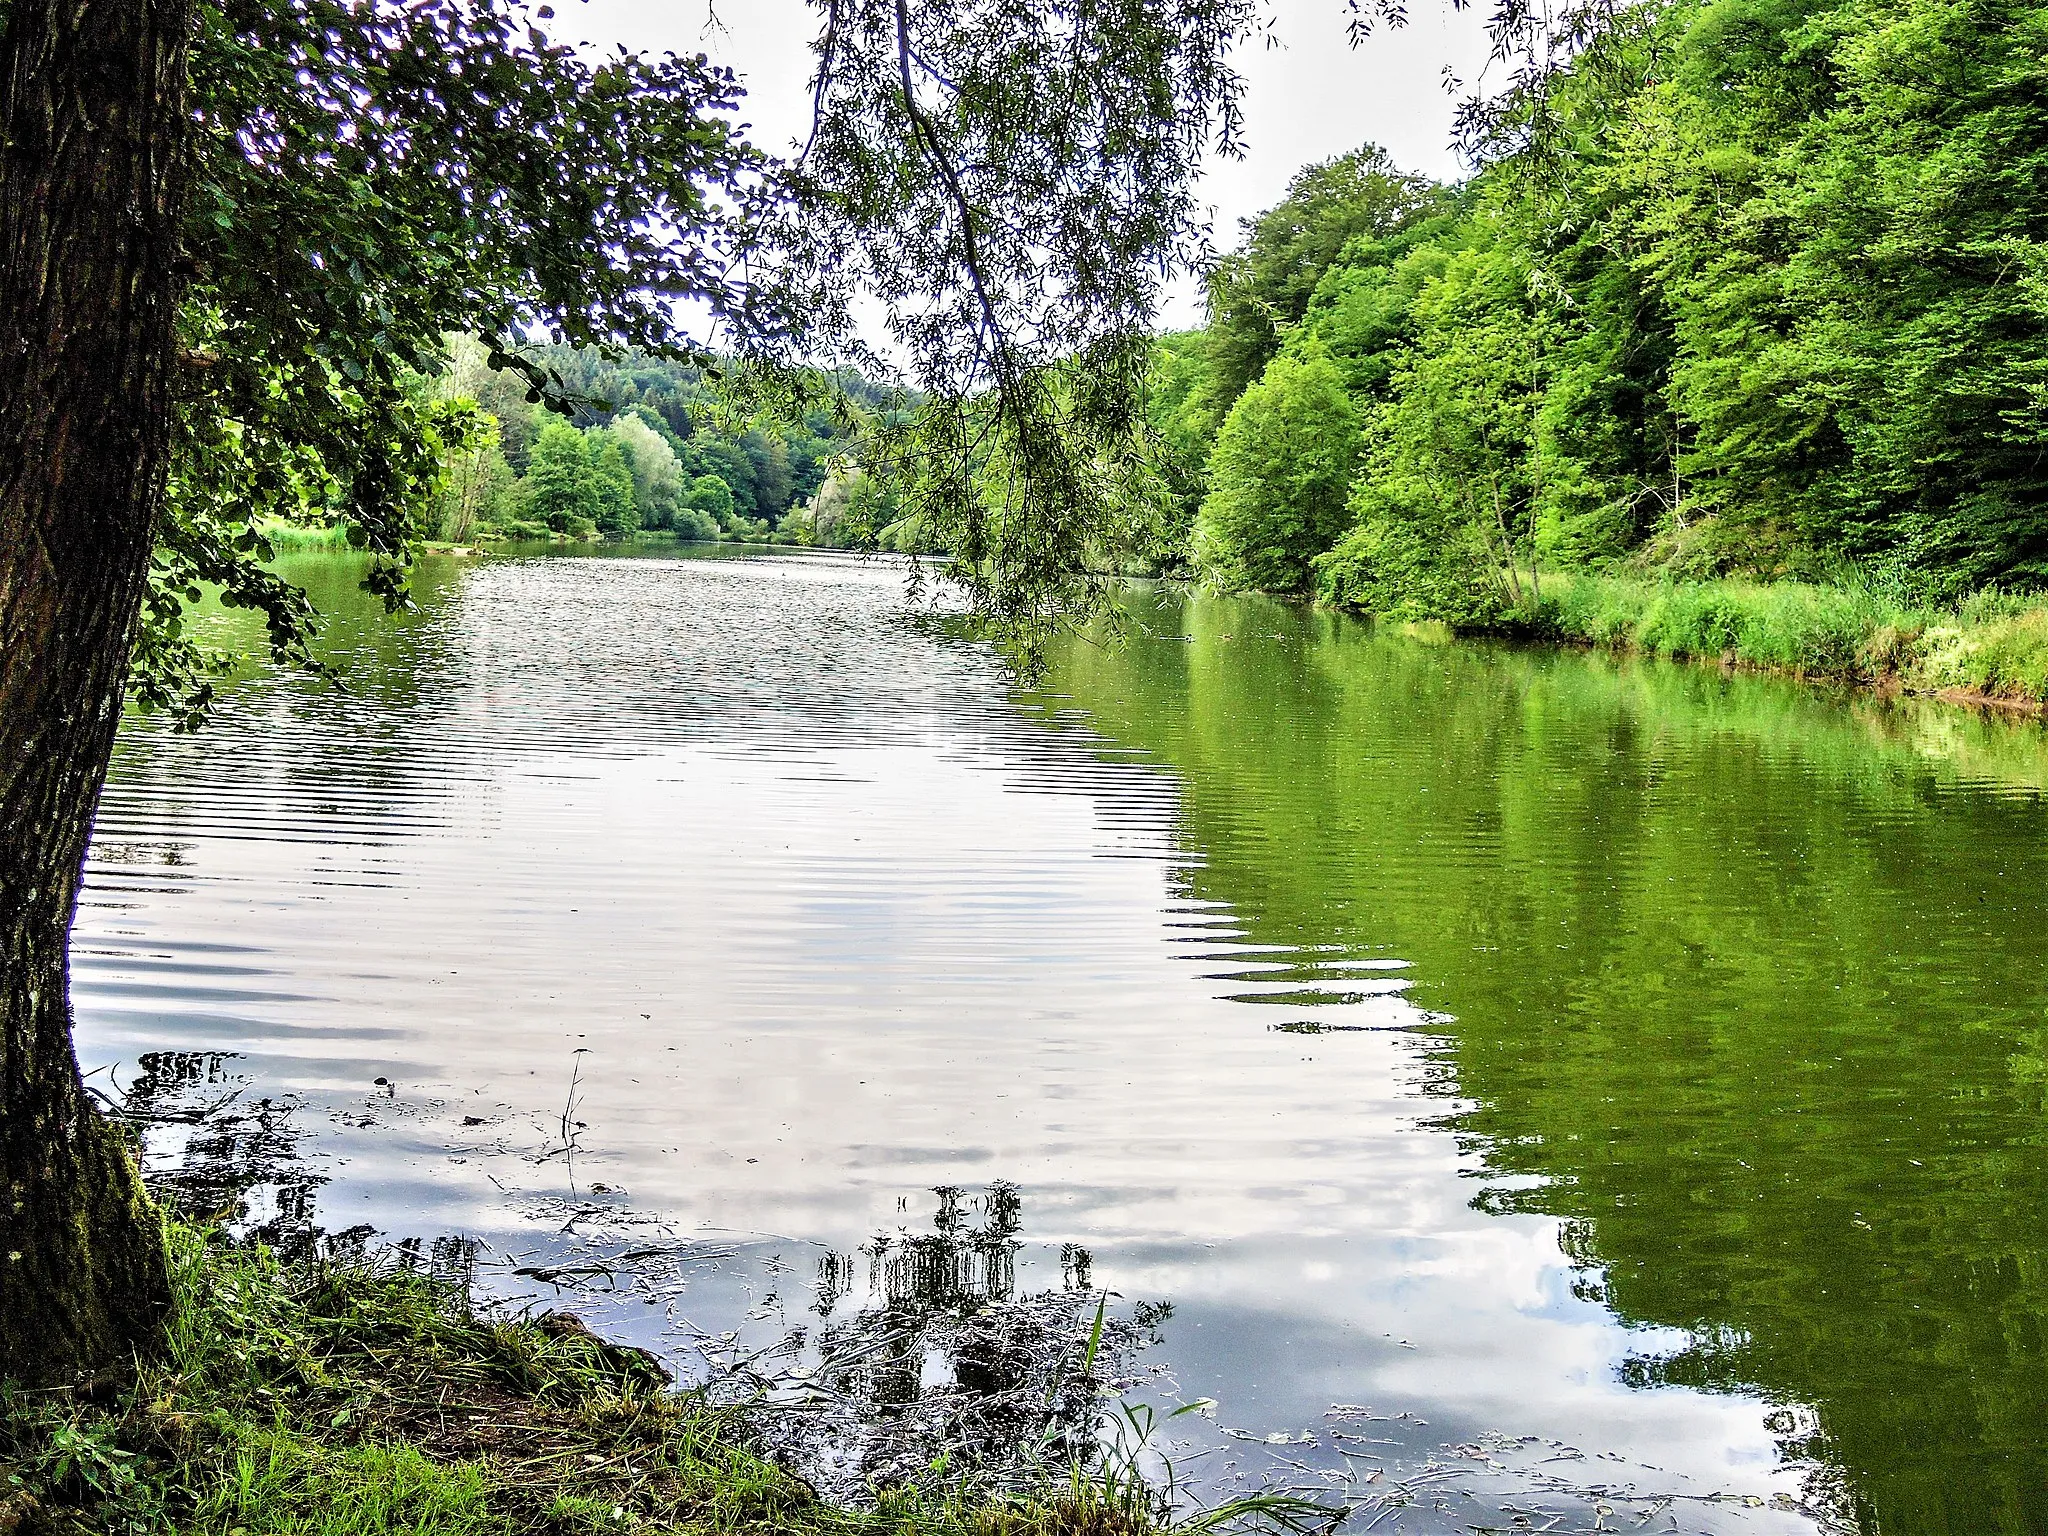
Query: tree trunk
92, 113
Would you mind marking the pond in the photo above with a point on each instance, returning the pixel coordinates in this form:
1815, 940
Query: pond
1520, 1090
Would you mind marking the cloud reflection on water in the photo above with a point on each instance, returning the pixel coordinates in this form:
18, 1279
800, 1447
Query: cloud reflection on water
837, 922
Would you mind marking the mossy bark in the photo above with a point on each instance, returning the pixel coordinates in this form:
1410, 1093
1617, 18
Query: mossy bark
92, 124
83, 1287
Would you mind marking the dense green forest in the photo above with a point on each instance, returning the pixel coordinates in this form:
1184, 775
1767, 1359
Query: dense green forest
652, 445
1735, 345
1758, 289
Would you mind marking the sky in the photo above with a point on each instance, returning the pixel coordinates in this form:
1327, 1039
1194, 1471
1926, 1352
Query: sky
1309, 97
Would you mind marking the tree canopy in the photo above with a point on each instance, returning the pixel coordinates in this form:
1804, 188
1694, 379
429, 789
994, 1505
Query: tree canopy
1278, 477
1264, 287
1746, 288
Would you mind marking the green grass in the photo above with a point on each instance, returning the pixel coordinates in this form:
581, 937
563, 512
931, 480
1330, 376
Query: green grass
296, 539
278, 1483
1994, 644
364, 1399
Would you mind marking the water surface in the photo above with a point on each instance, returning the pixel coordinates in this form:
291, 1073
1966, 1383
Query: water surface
1540, 1087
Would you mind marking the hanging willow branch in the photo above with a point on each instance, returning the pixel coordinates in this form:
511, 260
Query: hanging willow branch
1013, 183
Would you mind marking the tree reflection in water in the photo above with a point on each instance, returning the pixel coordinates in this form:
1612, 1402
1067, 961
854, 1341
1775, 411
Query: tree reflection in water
214, 1154
940, 1371
947, 1371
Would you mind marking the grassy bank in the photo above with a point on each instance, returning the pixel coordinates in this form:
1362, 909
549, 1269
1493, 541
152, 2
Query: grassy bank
296, 539
354, 1399
1993, 646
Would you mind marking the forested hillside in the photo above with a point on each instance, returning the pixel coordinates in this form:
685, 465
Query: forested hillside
1759, 290
652, 446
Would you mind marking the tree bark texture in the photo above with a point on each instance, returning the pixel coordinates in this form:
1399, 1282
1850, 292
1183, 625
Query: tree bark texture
92, 113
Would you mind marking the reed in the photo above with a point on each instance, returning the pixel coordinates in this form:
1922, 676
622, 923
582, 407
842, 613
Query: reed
298, 539
1993, 645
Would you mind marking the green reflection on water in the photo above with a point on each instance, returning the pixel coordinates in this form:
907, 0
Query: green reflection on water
1750, 979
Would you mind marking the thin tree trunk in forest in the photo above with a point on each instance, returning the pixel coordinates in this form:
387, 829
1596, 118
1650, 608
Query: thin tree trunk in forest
91, 123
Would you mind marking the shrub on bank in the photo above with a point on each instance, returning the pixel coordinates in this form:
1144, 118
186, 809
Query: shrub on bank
1278, 478
2004, 654
692, 525
1409, 557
